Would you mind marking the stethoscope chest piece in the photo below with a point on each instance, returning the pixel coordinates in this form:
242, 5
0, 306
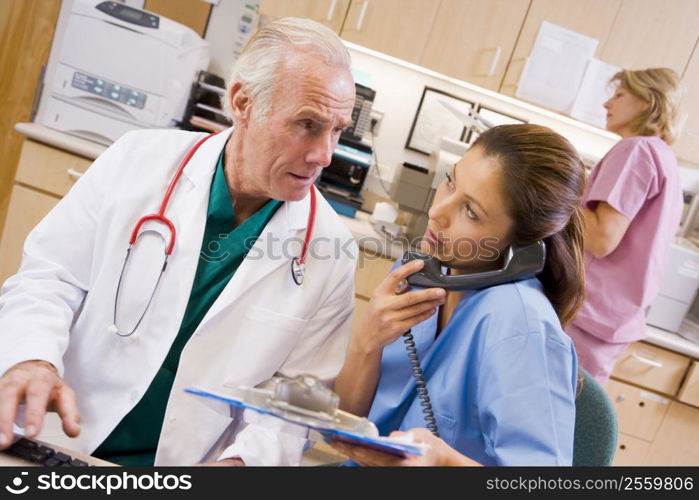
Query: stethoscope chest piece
298, 270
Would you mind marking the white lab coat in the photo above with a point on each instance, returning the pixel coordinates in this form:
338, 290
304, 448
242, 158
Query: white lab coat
59, 306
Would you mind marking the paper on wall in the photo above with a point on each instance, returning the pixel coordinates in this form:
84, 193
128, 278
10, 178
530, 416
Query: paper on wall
594, 91
555, 67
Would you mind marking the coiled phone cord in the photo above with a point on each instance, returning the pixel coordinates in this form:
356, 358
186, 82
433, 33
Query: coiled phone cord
420, 384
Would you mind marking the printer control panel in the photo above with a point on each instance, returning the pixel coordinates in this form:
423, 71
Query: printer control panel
129, 14
108, 90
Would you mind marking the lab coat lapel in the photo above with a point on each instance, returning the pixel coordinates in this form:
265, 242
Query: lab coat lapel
271, 251
188, 211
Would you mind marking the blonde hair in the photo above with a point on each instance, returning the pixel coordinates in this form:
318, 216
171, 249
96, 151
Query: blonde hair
258, 64
660, 88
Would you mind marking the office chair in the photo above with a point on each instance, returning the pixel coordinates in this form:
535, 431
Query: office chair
595, 426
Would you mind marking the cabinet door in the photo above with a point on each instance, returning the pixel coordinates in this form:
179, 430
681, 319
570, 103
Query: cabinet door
687, 145
593, 18
653, 33
630, 451
651, 366
677, 442
27, 208
371, 270
639, 412
399, 28
49, 169
328, 12
689, 393
472, 40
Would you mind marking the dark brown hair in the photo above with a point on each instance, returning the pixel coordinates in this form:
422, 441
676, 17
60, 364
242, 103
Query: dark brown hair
543, 181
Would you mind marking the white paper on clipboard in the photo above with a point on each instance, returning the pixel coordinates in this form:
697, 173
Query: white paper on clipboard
329, 431
555, 68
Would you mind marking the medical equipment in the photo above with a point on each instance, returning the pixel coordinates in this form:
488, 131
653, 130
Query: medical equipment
521, 262
298, 267
116, 68
305, 401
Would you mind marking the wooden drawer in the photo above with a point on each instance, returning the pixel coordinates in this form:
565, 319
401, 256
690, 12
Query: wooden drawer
639, 412
652, 367
677, 441
630, 451
49, 169
689, 393
27, 208
371, 270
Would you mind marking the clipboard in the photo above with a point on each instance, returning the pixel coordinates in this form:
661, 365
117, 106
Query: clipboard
341, 426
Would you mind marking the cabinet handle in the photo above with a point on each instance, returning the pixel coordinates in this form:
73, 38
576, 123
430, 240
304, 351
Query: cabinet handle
74, 174
331, 10
496, 59
647, 361
362, 13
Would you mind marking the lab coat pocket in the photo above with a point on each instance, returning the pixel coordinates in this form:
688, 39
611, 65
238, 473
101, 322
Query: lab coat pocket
264, 339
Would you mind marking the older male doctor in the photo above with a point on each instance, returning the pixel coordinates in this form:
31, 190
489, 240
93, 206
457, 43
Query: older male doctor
227, 309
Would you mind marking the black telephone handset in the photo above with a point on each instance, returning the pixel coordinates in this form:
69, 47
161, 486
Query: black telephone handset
521, 262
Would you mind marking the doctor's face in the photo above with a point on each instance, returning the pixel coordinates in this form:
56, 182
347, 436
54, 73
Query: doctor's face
468, 224
285, 150
622, 109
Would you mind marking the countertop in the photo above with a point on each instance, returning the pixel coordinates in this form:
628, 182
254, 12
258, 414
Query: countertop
360, 226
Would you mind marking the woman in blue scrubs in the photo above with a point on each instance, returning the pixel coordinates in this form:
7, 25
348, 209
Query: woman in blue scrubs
501, 372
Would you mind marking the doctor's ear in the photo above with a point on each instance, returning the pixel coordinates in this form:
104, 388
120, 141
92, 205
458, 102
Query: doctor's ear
241, 104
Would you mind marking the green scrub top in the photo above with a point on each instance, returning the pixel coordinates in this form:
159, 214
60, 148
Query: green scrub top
133, 442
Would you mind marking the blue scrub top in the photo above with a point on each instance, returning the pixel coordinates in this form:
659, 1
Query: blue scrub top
501, 376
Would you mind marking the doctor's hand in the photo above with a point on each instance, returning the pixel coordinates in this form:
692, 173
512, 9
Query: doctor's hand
37, 384
439, 453
394, 308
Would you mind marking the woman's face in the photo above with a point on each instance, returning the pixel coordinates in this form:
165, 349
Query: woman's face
622, 108
468, 224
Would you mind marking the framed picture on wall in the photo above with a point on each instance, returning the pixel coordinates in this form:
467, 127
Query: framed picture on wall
434, 120
494, 117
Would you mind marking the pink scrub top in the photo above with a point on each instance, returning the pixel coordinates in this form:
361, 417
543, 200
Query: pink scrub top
639, 178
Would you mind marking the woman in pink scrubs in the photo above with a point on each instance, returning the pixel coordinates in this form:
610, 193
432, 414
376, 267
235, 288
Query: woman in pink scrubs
632, 206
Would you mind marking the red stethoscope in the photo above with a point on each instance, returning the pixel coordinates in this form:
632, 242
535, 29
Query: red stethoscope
298, 264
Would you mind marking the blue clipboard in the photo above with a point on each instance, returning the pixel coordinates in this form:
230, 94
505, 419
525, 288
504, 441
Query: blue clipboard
330, 433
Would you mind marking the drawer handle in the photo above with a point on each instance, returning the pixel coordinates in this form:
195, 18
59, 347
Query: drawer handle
362, 13
647, 361
75, 174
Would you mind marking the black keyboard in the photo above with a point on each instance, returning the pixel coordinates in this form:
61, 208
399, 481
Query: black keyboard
44, 455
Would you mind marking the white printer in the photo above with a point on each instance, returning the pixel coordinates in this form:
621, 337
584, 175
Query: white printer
119, 68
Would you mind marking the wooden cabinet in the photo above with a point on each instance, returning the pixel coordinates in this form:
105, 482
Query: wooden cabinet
630, 451
655, 429
687, 145
399, 28
371, 270
689, 393
329, 12
639, 412
652, 33
652, 367
677, 442
27, 208
593, 18
44, 175
472, 40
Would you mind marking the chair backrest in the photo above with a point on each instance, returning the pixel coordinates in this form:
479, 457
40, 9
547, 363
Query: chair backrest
595, 426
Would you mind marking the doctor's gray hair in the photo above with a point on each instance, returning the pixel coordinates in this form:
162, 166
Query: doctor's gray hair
258, 64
